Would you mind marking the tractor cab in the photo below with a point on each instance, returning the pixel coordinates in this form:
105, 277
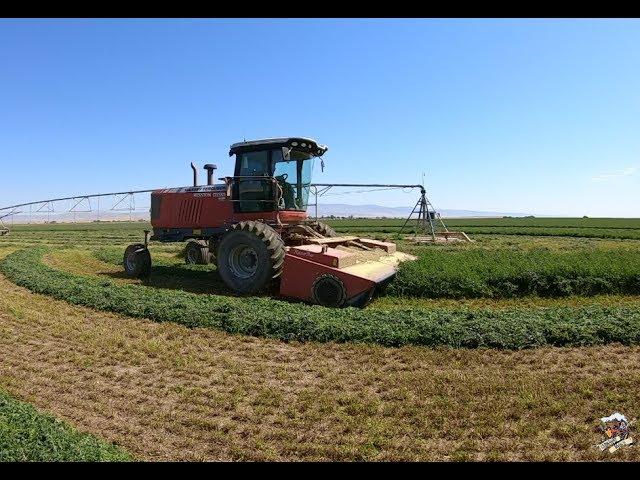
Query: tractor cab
273, 174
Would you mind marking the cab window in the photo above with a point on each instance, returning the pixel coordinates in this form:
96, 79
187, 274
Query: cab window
254, 195
254, 164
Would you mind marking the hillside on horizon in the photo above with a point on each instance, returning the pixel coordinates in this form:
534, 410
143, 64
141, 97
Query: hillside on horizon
373, 211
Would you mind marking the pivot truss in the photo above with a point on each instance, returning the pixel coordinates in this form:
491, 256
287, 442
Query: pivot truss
423, 221
83, 204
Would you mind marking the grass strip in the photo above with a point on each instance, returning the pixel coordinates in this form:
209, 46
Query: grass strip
515, 328
29, 435
476, 273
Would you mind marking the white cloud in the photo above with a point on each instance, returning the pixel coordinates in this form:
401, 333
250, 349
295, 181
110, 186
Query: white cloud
612, 176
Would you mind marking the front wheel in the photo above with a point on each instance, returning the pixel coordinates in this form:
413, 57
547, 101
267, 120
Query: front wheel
137, 261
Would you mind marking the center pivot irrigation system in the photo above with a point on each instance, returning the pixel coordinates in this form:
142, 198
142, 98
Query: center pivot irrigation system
255, 226
120, 202
424, 222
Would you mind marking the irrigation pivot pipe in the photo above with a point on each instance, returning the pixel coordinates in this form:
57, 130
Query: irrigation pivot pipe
131, 192
319, 189
75, 197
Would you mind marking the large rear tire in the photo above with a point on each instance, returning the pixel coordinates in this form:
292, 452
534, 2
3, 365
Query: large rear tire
324, 229
250, 256
137, 261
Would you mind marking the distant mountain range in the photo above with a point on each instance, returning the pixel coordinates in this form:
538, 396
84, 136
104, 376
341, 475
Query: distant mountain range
373, 211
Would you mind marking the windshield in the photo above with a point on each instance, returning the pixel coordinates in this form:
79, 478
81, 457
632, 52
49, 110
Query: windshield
294, 177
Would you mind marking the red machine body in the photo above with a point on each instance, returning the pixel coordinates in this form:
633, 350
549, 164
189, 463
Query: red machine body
192, 212
256, 226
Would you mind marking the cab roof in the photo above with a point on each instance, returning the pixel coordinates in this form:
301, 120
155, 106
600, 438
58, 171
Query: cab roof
297, 143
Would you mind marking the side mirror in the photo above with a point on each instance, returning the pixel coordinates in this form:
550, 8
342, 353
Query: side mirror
286, 153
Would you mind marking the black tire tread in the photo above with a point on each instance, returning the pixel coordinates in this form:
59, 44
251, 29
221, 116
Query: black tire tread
271, 239
324, 229
205, 256
143, 261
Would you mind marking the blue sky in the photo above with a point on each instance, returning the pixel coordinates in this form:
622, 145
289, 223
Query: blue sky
537, 116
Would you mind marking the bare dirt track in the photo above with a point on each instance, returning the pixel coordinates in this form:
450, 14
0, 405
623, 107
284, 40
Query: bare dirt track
165, 392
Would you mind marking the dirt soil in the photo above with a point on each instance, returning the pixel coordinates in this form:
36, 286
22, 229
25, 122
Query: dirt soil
165, 392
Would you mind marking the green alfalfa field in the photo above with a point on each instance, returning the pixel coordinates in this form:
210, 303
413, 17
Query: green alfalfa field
525, 336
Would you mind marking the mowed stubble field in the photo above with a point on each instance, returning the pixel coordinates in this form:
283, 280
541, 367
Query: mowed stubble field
222, 386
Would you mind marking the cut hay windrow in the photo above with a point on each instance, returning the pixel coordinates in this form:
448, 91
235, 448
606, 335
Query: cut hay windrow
613, 233
27, 435
501, 222
500, 273
513, 328
477, 273
611, 228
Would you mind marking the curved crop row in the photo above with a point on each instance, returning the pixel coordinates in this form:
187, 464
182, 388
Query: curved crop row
27, 434
622, 234
501, 273
550, 222
605, 233
475, 273
510, 328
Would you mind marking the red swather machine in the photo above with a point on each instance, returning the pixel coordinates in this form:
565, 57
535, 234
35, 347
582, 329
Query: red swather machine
255, 227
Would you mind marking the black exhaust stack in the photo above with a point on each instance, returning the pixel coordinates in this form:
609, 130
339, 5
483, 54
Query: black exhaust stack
195, 175
210, 168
